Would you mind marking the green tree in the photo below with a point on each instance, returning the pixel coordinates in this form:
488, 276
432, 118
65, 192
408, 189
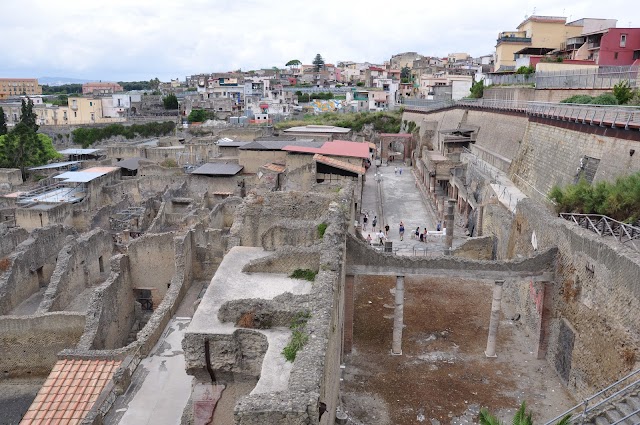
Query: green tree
405, 73
526, 70
200, 115
477, 89
318, 63
170, 101
622, 91
27, 116
3, 122
293, 63
154, 83
22, 147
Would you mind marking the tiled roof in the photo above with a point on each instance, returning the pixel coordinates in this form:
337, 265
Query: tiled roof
70, 391
278, 168
335, 148
343, 165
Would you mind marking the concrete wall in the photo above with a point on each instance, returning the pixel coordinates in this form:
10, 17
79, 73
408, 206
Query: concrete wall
595, 299
29, 344
550, 155
32, 264
82, 263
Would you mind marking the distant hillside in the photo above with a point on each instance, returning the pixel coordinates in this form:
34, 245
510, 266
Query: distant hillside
59, 81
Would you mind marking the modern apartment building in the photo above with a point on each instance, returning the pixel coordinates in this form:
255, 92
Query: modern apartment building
19, 86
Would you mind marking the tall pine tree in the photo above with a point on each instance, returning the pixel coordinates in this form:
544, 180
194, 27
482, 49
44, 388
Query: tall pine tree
3, 122
27, 116
318, 63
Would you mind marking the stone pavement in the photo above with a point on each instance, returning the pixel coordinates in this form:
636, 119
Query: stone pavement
403, 201
160, 386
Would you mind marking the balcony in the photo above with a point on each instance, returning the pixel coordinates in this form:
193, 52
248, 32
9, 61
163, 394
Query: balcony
512, 39
593, 46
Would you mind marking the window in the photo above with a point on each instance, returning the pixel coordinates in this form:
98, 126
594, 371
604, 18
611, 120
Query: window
90, 103
623, 40
636, 54
615, 55
75, 114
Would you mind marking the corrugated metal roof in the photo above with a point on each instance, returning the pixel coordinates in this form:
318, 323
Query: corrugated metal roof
218, 169
131, 163
79, 151
277, 145
54, 165
318, 129
343, 165
84, 176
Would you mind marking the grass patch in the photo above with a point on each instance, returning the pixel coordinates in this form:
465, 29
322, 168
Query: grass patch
299, 337
322, 227
305, 274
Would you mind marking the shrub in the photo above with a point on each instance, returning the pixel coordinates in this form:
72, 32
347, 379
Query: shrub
605, 99
322, 227
87, 136
305, 274
578, 98
169, 163
298, 337
622, 91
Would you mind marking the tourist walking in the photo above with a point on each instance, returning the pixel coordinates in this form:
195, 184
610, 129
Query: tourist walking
380, 236
401, 231
374, 222
386, 230
364, 221
369, 238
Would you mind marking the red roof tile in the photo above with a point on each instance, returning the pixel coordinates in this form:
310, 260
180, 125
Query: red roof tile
278, 168
335, 148
343, 165
70, 391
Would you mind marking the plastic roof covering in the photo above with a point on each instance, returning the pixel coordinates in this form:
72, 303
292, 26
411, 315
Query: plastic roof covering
79, 151
54, 165
80, 176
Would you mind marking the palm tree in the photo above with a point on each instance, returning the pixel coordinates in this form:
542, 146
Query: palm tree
521, 417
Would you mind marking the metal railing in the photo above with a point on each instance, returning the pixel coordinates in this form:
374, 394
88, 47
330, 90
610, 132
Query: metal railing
606, 226
598, 402
511, 79
428, 104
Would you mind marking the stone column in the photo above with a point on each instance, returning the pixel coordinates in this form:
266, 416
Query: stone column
398, 316
347, 337
495, 319
432, 183
449, 224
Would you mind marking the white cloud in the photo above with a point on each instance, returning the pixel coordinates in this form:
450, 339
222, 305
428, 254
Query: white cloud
141, 39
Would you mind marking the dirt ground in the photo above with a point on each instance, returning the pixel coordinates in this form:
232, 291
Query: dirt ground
442, 375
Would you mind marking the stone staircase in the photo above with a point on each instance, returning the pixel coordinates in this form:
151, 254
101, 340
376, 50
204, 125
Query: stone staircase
619, 403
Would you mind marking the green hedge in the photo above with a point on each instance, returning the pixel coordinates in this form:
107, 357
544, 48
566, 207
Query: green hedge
87, 136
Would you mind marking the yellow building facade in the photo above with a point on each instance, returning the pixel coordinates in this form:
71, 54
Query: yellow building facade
19, 86
534, 32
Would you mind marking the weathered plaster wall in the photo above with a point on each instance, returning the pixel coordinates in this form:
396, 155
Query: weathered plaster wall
33, 218
31, 265
82, 263
595, 299
29, 344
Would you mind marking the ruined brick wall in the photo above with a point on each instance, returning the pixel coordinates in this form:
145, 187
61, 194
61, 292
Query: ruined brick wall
595, 329
152, 263
10, 239
480, 248
286, 260
29, 344
111, 310
82, 262
31, 266
550, 155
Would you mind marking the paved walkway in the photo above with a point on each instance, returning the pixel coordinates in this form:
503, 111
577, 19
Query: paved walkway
403, 201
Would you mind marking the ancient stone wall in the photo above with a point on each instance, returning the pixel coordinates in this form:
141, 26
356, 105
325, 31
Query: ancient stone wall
29, 344
480, 248
111, 310
31, 266
10, 239
33, 218
82, 263
152, 263
286, 260
595, 299
551, 155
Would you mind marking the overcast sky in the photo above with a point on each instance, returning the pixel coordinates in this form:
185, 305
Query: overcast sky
125, 40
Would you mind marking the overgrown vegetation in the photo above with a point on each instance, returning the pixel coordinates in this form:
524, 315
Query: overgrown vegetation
477, 89
526, 70
307, 97
305, 274
299, 336
322, 227
384, 122
169, 163
170, 101
522, 417
200, 115
87, 136
583, 99
619, 200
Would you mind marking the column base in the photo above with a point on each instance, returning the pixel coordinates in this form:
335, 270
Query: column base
489, 356
396, 354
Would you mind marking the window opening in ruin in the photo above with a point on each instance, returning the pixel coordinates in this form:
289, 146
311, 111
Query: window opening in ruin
101, 264
143, 296
41, 280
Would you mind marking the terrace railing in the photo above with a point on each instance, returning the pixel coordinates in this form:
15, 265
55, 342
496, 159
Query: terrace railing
606, 226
